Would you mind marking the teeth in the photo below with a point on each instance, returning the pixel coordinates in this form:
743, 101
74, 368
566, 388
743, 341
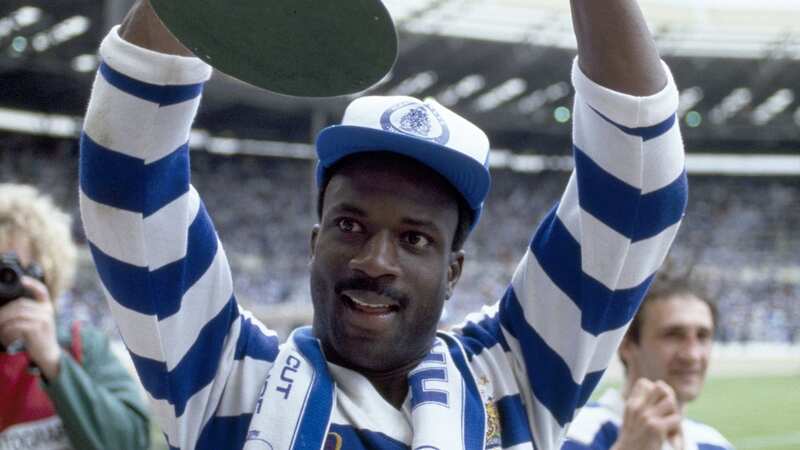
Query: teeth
367, 305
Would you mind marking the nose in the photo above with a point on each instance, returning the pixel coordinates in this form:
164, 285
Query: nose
692, 350
377, 257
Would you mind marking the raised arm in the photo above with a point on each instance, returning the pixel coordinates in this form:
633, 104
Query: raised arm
615, 48
155, 248
592, 258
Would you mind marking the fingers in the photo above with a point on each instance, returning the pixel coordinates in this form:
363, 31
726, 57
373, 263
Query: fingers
670, 423
15, 330
32, 324
36, 289
654, 405
646, 392
23, 312
641, 388
664, 400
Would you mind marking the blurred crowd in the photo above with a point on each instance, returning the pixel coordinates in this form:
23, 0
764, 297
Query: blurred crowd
739, 235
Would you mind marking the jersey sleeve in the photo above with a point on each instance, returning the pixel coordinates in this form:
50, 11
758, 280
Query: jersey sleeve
163, 269
590, 261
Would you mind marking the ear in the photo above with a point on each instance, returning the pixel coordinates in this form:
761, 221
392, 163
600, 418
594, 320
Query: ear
627, 350
454, 271
314, 236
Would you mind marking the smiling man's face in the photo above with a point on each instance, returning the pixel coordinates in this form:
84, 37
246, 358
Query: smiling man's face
382, 262
674, 346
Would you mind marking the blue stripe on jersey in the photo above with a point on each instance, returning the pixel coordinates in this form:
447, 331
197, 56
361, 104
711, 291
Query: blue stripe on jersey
606, 197
224, 432
360, 439
549, 376
476, 336
660, 209
159, 292
126, 283
108, 176
513, 421
169, 283
474, 414
603, 310
559, 254
315, 417
163, 95
646, 133
197, 367
621, 206
152, 374
253, 343
604, 439
168, 179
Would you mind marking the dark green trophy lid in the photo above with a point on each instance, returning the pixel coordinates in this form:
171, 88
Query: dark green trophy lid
309, 48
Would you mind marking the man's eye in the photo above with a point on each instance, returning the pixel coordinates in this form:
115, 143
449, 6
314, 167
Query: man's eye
349, 225
416, 240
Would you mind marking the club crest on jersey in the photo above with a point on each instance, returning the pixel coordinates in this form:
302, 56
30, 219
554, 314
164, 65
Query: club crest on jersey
493, 430
417, 120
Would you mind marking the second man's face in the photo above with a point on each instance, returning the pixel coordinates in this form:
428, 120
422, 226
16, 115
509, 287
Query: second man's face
675, 345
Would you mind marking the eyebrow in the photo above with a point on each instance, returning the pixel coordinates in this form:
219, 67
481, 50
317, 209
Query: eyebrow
410, 221
349, 208
681, 327
420, 223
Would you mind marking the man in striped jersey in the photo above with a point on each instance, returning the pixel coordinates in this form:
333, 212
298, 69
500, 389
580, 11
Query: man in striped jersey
402, 182
665, 354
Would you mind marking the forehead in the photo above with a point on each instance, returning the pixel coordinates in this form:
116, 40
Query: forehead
685, 310
376, 176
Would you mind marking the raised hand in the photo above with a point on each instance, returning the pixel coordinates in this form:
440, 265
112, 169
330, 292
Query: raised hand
31, 320
652, 417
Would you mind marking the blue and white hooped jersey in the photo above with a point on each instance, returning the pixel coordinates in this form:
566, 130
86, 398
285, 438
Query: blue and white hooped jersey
536, 354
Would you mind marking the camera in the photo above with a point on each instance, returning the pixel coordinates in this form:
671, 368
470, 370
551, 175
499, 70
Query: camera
11, 273
11, 288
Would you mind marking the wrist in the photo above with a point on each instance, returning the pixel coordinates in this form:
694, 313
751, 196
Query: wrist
632, 444
50, 364
143, 28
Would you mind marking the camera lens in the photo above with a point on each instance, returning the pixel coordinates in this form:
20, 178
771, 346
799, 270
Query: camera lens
8, 276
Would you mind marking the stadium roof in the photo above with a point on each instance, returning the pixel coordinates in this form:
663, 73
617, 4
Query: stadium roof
503, 63
707, 28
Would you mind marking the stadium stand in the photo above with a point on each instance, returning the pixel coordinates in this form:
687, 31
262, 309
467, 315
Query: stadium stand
739, 235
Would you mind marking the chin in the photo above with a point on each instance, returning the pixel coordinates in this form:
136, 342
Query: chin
360, 352
688, 393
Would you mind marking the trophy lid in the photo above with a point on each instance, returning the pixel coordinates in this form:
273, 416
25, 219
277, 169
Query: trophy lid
308, 48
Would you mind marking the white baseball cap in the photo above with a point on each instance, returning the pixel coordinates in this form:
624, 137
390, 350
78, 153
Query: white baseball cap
423, 130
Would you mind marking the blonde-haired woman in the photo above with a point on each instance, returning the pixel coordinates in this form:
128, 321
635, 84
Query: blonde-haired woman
61, 387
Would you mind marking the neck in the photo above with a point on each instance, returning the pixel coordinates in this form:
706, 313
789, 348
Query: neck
392, 384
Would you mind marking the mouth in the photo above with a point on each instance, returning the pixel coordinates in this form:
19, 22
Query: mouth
684, 374
370, 303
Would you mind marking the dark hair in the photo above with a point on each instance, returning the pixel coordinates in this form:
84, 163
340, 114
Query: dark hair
664, 288
465, 213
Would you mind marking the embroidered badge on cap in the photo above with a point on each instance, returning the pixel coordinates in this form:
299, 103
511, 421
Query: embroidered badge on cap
416, 119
